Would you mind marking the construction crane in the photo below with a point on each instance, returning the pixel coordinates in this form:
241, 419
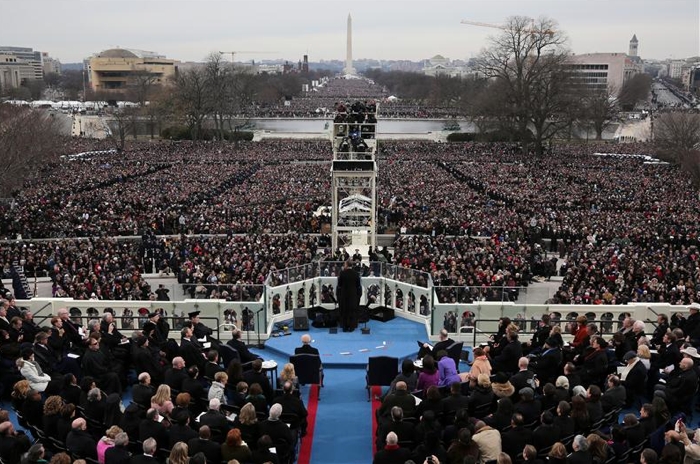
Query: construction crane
532, 29
233, 53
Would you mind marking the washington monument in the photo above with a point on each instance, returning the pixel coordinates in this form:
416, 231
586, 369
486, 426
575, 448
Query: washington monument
348, 58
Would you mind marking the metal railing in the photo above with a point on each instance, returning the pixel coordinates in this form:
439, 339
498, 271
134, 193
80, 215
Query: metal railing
332, 269
230, 292
479, 330
475, 294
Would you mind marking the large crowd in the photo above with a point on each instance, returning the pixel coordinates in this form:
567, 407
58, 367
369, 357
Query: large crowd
626, 228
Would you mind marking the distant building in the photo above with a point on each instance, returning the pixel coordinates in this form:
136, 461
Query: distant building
50, 65
11, 71
116, 69
441, 66
675, 69
634, 45
604, 70
35, 69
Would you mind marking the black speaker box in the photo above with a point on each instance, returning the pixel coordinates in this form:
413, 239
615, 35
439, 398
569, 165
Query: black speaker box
301, 319
381, 313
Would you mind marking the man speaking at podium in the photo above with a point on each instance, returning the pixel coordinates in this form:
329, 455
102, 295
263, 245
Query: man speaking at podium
348, 291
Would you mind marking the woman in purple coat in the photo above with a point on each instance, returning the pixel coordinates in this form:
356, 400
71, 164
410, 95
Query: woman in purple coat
447, 370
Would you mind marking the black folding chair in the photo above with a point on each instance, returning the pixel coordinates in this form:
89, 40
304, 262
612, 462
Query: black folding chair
381, 371
308, 369
454, 351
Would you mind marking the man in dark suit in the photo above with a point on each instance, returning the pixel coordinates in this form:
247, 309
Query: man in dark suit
277, 430
142, 392
194, 387
70, 329
96, 364
214, 418
180, 430
546, 434
400, 397
581, 454
211, 367
541, 334
190, 350
456, 400
406, 431
119, 453
662, 326
176, 374
615, 394
669, 354
348, 293
292, 404
256, 375
203, 444
237, 343
547, 366
144, 360
524, 377
79, 441
150, 446
306, 348
509, 352
681, 385
633, 430
443, 343
514, 440
12, 443
392, 452
50, 361
152, 427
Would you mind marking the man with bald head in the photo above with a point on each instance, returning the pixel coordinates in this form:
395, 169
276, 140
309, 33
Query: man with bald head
80, 442
176, 374
681, 385
291, 403
237, 344
12, 443
400, 397
306, 348
392, 452
277, 429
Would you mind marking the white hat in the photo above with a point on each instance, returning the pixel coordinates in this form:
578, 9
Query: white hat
695, 306
691, 351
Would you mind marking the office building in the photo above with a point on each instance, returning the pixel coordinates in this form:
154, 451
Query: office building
116, 69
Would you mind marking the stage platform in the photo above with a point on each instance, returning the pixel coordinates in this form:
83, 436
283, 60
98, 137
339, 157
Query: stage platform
352, 349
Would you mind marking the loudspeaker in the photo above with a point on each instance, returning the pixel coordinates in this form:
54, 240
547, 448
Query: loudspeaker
381, 313
301, 319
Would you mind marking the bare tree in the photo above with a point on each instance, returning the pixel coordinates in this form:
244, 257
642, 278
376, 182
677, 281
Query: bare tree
636, 89
28, 139
141, 85
599, 108
191, 99
120, 123
677, 131
220, 89
677, 136
527, 57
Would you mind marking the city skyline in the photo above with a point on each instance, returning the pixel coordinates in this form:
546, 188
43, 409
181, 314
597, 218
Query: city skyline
188, 30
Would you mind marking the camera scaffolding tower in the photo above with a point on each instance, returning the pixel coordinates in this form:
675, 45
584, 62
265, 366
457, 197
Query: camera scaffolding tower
354, 175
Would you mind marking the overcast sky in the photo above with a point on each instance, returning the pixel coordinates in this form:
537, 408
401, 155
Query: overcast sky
188, 30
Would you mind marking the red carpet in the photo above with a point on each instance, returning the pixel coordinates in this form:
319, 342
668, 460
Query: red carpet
307, 441
376, 391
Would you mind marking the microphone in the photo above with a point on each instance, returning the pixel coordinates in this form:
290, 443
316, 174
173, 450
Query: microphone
260, 310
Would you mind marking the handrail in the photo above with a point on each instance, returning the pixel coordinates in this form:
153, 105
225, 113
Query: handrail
36, 313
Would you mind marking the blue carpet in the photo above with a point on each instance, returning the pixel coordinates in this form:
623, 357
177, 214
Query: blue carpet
352, 349
344, 419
